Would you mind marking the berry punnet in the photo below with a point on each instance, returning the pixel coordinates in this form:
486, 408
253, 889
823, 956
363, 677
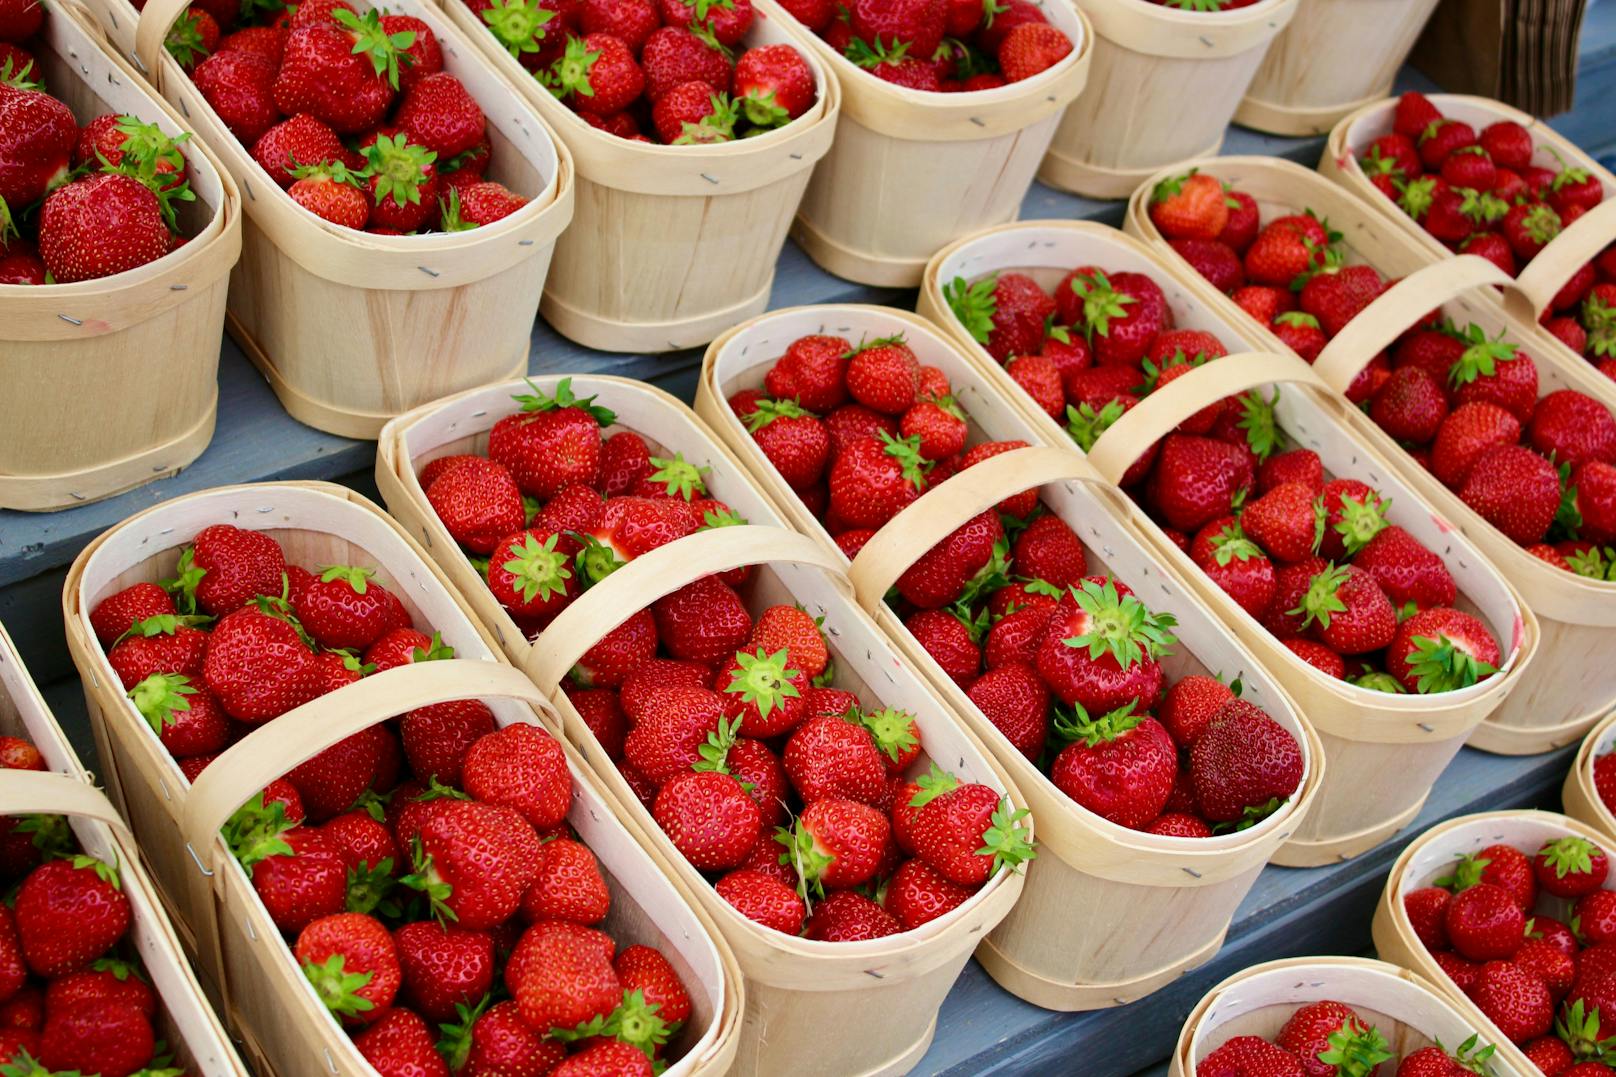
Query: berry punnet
1328, 1038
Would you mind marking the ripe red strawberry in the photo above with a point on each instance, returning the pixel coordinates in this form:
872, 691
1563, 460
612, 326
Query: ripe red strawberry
104, 224
846, 916
1469, 431
439, 113
1049, 550
333, 780
1121, 315
257, 665
813, 372
1241, 230
1515, 999
644, 969
1337, 295
692, 113
1317, 1027
1014, 638
478, 503
552, 442
1406, 571
964, 563
773, 83
301, 140
967, 832
1030, 49
1250, 1056
343, 72
226, 566
1215, 260
113, 1037
674, 55
1120, 766
918, 893
401, 1042
763, 692
1427, 910
1016, 701
343, 608
521, 767
239, 87
836, 844
598, 75
1484, 923
402, 646
606, 1058
1493, 371
704, 621
37, 150
1006, 313
68, 913
475, 861
1195, 480
670, 728
1101, 649
1244, 765
1350, 611
1235, 563
792, 628
1553, 966
561, 975
1189, 206
1570, 867
1287, 521
1530, 227
872, 479
569, 886
1493, 247
1595, 916
1515, 490
1441, 650
444, 966
1284, 250
796, 442
1410, 406
109, 982
619, 653
1500, 865
952, 644
187, 719
1190, 704
830, 757
1573, 428
884, 375
304, 881
764, 899
1593, 494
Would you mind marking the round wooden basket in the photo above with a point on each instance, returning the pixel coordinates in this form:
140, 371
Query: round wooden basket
1565, 690
1335, 56
351, 328
1430, 856
143, 345
1150, 64
283, 1023
186, 1021
1544, 276
1154, 907
1396, 745
1257, 1001
670, 245
1580, 795
911, 170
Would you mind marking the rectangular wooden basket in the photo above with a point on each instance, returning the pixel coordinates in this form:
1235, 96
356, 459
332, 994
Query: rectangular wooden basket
1395, 744
270, 1003
351, 328
1166, 83
185, 1020
911, 170
143, 344
1171, 899
670, 244
1566, 689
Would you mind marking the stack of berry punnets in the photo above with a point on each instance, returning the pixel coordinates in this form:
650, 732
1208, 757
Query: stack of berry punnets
183, 1018
670, 245
1396, 743
143, 342
1298, 1003
1151, 59
1124, 878
1561, 694
1333, 57
1513, 916
1558, 244
908, 151
177, 824
1589, 792
420, 316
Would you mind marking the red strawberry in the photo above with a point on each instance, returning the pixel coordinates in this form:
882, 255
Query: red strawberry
306, 880
1120, 766
1016, 701
1427, 910
439, 113
188, 720
1515, 999
950, 642
1121, 314
68, 913
1249, 1056
1570, 867
474, 861
670, 729
1241, 229
673, 55
343, 72
1244, 765
1318, 1027
644, 969
1190, 705
1593, 494
1214, 260
1406, 571
884, 375
1494, 371
813, 372
1530, 227
606, 1058
764, 899
1189, 206
479, 504
846, 916
523, 768
967, 832
836, 844
1235, 563
402, 646
1410, 406
551, 442
1573, 428
1594, 914
561, 976
704, 621
257, 665
569, 886
238, 85
918, 894
108, 1038
1284, 250
796, 442
619, 653
401, 1042
1465, 435
38, 147
444, 967
1195, 480
830, 757
1351, 612
1287, 521
872, 479
1441, 650
1515, 490
1030, 49
1005, 313
1484, 923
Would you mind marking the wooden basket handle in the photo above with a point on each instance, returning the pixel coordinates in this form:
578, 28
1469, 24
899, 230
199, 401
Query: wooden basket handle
1548, 272
302, 733
151, 28
1154, 417
592, 615
927, 521
46, 792
1397, 308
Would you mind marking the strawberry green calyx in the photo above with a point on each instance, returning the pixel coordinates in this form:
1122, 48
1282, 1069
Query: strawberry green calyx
1321, 599
1481, 207
162, 624
338, 988
1355, 1050
253, 12
435, 790
1006, 839
595, 560
1481, 356
1360, 520
762, 110
369, 887
806, 856
865, 344
121, 970
370, 39
1417, 196
280, 607
1470, 1056
23, 1064
1379, 682
679, 477
1299, 318
990, 577
1467, 869
452, 218
538, 568
906, 451
454, 1043
399, 168
1579, 1028
715, 753
184, 41
1439, 665
1541, 223
1568, 854
51, 835
977, 624
634, 1021
20, 78
1250, 816
1154, 372
436, 651
767, 411
254, 831
519, 25
893, 731
1120, 625
974, 305
1567, 174
425, 878
1257, 419
1231, 544
570, 74
1596, 563
1567, 517
1600, 319
717, 126
1374, 164
1195, 5
764, 680
722, 518
1084, 424
355, 577
1076, 727
107, 873
538, 400
1171, 186
160, 698
933, 784
187, 576
1101, 302
332, 170
868, 56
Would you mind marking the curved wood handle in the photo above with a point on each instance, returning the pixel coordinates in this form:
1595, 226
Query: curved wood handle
46, 792
151, 28
1397, 308
932, 518
1154, 417
1566, 253
592, 615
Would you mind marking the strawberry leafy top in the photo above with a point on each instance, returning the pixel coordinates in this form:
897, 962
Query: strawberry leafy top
1355, 1050
763, 680
1569, 855
1481, 355
538, 400
519, 25
974, 305
1440, 665
1120, 625
678, 476
372, 40
160, 698
1101, 302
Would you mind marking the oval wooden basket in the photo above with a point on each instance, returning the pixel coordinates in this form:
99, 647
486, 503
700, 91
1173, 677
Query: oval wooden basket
185, 1020
1335, 56
270, 1002
670, 245
911, 170
1257, 1001
1166, 84
1154, 907
435, 314
1565, 690
1432, 855
1580, 796
1545, 274
1396, 745
143, 345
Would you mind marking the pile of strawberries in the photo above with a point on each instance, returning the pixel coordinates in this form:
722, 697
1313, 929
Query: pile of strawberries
1067, 665
1328, 1037
1541, 470
1314, 559
656, 70
349, 110
77, 204
1529, 935
73, 997
1478, 192
940, 46
411, 861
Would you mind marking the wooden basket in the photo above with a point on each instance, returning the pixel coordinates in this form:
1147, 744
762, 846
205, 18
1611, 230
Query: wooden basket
185, 1019
1167, 82
1432, 855
143, 345
1579, 796
1565, 690
1129, 884
435, 314
1257, 1001
670, 245
1394, 744
911, 170
1545, 274
1335, 56
271, 1004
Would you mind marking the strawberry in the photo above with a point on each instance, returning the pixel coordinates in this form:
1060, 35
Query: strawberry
1595, 916
108, 1038
1530, 227
1406, 571
836, 844
796, 442
1282, 252
1189, 206
439, 113
334, 779
301, 883
301, 140
1484, 923
1592, 491
561, 976
188, 720
915, 23
704, 621
1413, 114
1190, 704
1241, 229
1410, 406
951, 643
1550, 1055
343, 72
474, 861
401, 1042
1050, 551
692, 113
1016, 701
830, 757
873, 478
674, 55
1514, 999
670, 728
598, 75
644, 969
1195, 480
1030, 49
68, 913
773, 83
1469, 431
569, 886
1249, 1056
1572, 428
238, 85
342, 608
552, 441
1121, 315
108, 982
1507, 143
1006, 312
1235, 563
1427, 910
967, 832
619, 653
226, 567
402, 183
1494, 371
884, 375
37, 149
918, 893
402, 646
1500, 865
1515, 490
101, 225
1317, 1028
443, 967
1287, 522
1014, 638
813, 372
763, 899
1101, 649
966, 562
478, 503
846, 916
1244, 765
1441, 650
1214, 260
1337, 295
643, 684
763, 692
523, 768
1350, 611
1493, 247
606, 1058
1121, 766
257, 665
